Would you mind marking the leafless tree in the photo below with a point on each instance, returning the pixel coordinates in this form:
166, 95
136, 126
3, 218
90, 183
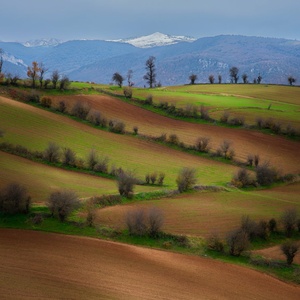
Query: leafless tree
245, 78
32, 72
126, 182
290, 249
64, 82
291, 80
43, 70
129, 78
54, 78
62, 203
193, 78
219, 79
211, 79
1, 60
186, 179
289, 221
150, 76
52, 153
233, 72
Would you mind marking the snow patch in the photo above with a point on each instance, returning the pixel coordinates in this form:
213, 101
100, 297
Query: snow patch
156, 39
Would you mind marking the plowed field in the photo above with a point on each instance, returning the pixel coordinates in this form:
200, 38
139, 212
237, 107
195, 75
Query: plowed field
37, 265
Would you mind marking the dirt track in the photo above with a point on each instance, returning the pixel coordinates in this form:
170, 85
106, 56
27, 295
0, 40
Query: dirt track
283, 153
51, 266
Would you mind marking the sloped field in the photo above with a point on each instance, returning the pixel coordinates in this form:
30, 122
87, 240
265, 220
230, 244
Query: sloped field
205, 212
37, 265
34, 128
281, 152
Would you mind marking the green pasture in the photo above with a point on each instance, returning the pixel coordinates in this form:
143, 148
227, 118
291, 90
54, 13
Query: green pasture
282, 103
34, 128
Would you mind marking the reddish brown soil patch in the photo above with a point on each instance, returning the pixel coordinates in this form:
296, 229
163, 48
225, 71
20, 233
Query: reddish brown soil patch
281, 152
276, 253
42, 265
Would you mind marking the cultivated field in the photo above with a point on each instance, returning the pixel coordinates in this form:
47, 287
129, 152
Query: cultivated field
280, 103
283, 153
35, 128
95, 269
203, 213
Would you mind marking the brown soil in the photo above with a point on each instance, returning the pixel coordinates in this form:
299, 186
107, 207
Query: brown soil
43, 265
276, 253
281, 152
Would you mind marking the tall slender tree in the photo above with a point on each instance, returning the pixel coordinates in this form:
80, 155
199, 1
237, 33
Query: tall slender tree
32, 72
233, 72
150, 76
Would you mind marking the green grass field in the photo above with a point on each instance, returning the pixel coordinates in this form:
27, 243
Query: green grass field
282, 103
34, 128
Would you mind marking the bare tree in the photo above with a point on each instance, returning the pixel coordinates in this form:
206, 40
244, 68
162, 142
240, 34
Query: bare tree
233, 72
69, 157
186, 179
126, 182
32, 72
118, 79
202, 144
129, 78
14, 199
291, 80
211, 79
237, 241
225, 149
1, 60
290, 249
156, 221
43, 70
150, 76
245, 78
64, 82
289, 221
62, 203
54, 78
219, 79
52, 153
259, 79
193, 78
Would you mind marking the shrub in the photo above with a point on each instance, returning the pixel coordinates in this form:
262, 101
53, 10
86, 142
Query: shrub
52, 153
162, 137
225, 149
34, 97
64, 83
289, 249
116, 126
46, 102
153, 177
249, 227
215, 243
250, 159
237, 121
256, 160
62, 203
237, 241
147, 178
94, 117
202, 144
107, 200
276, 128
161, 178
225, 117
173, 139
260, 123
186, 179
126, 182
265, 175
101, 165
135, 130
91, 214
136, 222
80, 110
127, 92
272, 225
37, 219
14, 199
149, 100
68, 157
190, 111
156, 221
289, 221
241, 178
262, 229
61, 106
290, 130
204, 113
92, 159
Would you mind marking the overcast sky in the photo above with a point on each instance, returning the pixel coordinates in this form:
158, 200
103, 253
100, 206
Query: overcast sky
22, 20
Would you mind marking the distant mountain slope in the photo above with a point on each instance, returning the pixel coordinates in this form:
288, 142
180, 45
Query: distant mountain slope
86, 60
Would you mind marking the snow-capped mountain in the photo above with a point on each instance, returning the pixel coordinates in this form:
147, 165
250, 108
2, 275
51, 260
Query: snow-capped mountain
42, 43
154, 40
